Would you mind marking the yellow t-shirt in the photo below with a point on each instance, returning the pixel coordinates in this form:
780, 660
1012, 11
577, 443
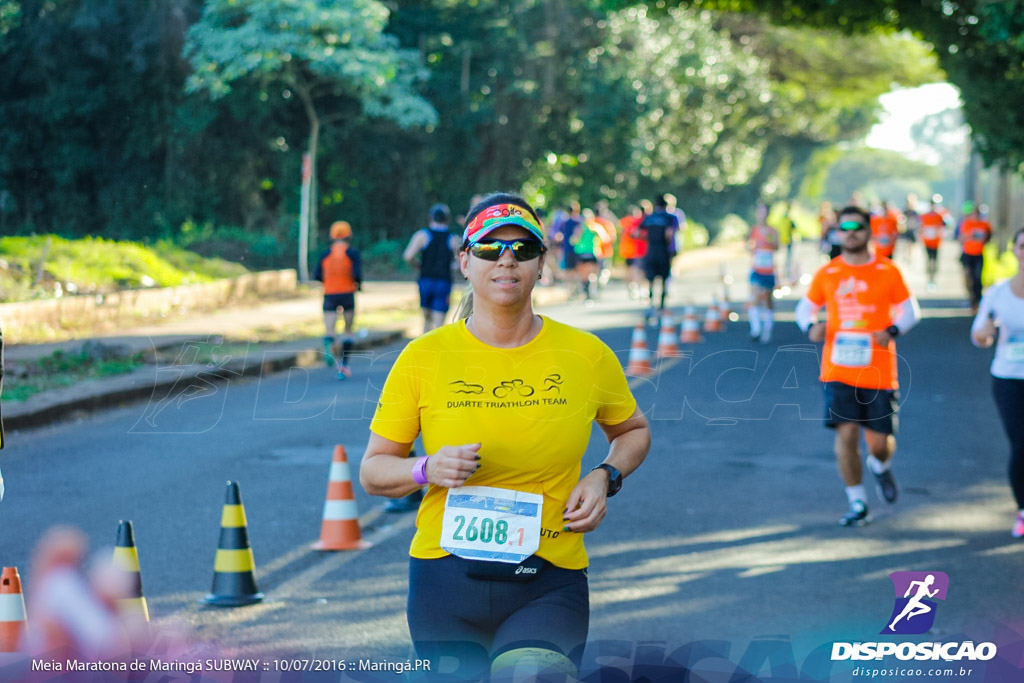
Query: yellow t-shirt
532, 408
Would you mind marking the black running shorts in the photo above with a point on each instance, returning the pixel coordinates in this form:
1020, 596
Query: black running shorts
345, 302
874, 409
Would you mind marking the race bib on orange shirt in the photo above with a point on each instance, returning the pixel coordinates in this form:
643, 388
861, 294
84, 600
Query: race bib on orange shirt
859, 301
852, 349
764, 261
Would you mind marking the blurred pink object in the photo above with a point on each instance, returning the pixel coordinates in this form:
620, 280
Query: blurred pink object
71, 615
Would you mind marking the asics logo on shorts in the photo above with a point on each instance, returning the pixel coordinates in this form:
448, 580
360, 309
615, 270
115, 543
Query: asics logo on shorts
526, 570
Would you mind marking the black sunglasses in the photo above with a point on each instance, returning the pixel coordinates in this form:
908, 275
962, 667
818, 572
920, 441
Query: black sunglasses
852, 226
492, 249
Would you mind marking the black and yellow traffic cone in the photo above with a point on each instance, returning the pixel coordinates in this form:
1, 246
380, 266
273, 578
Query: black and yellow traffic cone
126, 558
234, 583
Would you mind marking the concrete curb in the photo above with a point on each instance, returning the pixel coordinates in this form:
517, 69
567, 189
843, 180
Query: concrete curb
159, 383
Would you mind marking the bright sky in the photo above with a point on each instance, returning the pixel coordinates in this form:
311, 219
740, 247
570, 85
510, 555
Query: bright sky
905, 107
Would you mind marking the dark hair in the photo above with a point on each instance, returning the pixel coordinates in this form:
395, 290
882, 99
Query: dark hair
858, 211
439, 213
1016, 235
497, 198
661, 202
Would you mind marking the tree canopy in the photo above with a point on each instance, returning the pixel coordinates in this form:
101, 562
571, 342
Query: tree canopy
182, 118
979, 45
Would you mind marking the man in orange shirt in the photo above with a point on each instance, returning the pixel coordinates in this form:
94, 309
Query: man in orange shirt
868, 305
632, 248
340, 269
884, 231
932, 225
974, 234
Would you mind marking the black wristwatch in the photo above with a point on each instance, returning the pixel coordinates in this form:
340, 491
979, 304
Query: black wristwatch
614, 478
893, 331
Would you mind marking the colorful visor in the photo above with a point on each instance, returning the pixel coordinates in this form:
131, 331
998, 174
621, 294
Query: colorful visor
496, 216
850, 226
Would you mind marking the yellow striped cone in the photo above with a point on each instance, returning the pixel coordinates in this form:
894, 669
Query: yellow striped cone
234, 583
713, 318
12, 611
639, 357
126, 558
689, 332
340, 527
667, 346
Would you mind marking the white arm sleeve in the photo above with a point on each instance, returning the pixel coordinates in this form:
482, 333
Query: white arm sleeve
908, 314
806, 313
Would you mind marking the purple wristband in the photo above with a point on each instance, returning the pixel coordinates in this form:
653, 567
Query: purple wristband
419, 470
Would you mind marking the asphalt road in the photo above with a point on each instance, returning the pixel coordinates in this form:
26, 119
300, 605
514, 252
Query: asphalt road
724, 544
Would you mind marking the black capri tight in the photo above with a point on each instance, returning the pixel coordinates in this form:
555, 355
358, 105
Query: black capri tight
471, 621
1009, 395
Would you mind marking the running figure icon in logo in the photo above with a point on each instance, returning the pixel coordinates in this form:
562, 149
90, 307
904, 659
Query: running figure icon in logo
916, 588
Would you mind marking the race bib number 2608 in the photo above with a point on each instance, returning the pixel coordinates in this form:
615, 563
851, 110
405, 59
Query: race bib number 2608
491, 524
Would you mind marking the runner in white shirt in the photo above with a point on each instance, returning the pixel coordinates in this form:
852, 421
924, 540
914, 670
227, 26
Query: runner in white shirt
1001, 316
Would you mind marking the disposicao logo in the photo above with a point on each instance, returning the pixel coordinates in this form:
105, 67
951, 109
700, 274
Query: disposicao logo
913, 613
916, 592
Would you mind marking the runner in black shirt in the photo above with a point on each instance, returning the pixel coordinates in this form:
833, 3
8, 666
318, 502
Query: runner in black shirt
660, 228
435, 248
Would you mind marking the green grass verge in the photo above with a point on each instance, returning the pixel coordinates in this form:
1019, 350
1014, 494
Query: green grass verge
63, 369
94, 264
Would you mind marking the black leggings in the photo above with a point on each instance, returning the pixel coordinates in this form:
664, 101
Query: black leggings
1009, 395
973, 265
471, 621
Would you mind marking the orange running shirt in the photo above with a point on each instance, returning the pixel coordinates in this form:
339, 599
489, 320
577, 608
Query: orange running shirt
629, 244
884, 231
932, 224
859, 301
975, 232
338, 275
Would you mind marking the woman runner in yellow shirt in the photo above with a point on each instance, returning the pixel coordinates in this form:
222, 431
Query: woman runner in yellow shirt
505, 401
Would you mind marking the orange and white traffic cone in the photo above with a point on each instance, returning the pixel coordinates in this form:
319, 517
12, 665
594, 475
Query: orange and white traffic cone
126, 559
340, 527
690, 329
667, 346
639, 356
724, 309
12, 611
713, 318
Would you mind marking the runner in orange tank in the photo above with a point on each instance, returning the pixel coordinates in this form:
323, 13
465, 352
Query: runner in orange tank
340, 269
932, 225
632, 249
974, 234
884, 231
868, 305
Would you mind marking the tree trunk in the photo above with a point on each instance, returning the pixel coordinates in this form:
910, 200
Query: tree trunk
314, 143
304, 94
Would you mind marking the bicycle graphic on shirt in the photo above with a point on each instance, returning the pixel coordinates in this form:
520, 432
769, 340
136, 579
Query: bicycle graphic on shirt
517, 386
